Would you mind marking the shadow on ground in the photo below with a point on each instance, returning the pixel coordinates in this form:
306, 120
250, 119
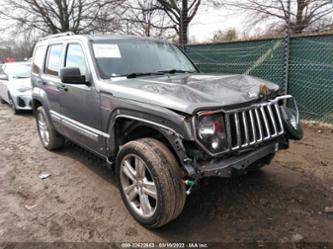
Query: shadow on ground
272, 204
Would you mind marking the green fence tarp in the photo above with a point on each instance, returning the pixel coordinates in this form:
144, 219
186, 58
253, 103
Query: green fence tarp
310, 68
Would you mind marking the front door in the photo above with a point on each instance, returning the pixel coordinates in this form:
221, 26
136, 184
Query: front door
80, 105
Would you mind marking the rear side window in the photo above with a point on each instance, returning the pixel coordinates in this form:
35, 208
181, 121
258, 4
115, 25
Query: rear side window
53, 59
75, 57
38, 60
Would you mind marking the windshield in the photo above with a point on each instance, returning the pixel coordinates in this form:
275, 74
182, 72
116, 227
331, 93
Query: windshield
18, 70
134, 56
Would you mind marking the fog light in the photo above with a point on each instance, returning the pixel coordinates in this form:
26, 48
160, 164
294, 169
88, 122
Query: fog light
21, 102
215, 143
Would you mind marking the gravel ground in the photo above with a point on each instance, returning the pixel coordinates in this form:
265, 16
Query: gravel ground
80, 202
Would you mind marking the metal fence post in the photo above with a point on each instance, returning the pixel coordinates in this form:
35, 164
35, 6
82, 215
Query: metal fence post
181, 29
287, 49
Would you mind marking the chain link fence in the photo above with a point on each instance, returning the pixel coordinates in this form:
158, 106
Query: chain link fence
310, 77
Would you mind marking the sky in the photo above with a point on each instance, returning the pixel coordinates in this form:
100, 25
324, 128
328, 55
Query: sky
206, 22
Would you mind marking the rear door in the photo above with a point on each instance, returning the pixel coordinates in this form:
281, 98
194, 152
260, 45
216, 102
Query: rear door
80, 104
51, 82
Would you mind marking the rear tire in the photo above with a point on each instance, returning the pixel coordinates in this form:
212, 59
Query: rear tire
49, 137
2, 101
163, 174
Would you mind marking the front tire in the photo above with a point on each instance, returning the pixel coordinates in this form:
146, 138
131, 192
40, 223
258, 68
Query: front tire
12, 105
49, 137
2, 101
150, 182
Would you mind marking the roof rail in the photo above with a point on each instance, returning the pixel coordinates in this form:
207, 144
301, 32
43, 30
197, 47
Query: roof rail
56, 35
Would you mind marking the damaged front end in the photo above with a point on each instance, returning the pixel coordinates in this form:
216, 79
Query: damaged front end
231, 141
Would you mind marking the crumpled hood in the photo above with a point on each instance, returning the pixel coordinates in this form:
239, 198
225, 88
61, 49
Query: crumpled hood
189, 92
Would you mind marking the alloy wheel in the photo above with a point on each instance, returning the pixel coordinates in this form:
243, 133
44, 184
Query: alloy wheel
43, 129
138, 185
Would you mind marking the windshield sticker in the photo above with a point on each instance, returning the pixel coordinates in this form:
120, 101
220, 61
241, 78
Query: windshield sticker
106, 51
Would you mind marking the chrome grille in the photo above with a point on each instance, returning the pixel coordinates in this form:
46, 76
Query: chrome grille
254, 124
249, 125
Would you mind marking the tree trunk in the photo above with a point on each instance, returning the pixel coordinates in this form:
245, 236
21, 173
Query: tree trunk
299, 24
183, 29
183, 34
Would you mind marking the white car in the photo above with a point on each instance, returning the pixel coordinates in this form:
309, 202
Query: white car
15, 85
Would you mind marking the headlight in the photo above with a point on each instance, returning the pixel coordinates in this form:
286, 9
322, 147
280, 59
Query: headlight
291, 118
211, 132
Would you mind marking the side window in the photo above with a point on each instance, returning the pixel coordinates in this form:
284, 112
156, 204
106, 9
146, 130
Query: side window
75, 57
38, 60
2, 69
53, 59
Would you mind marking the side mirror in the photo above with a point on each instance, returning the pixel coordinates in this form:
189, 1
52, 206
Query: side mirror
3, 77
72, 75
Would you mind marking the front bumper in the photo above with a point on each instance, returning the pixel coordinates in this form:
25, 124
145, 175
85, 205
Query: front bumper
239, 164
23, 102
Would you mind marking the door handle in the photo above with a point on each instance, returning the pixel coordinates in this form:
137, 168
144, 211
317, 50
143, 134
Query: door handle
62, 87
41, 82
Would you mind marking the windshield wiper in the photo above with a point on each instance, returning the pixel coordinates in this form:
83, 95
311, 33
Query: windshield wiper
160, 72
175, 71
134, 75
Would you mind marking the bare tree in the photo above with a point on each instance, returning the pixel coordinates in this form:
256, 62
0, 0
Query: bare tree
110, 18
304, 13
181, 13
20, 48
324, 25
54, 16
227, 36
144, 18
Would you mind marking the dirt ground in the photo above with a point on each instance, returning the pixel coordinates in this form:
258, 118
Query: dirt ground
79, 202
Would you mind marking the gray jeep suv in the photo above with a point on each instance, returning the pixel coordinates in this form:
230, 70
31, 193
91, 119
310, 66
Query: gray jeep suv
144, 106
